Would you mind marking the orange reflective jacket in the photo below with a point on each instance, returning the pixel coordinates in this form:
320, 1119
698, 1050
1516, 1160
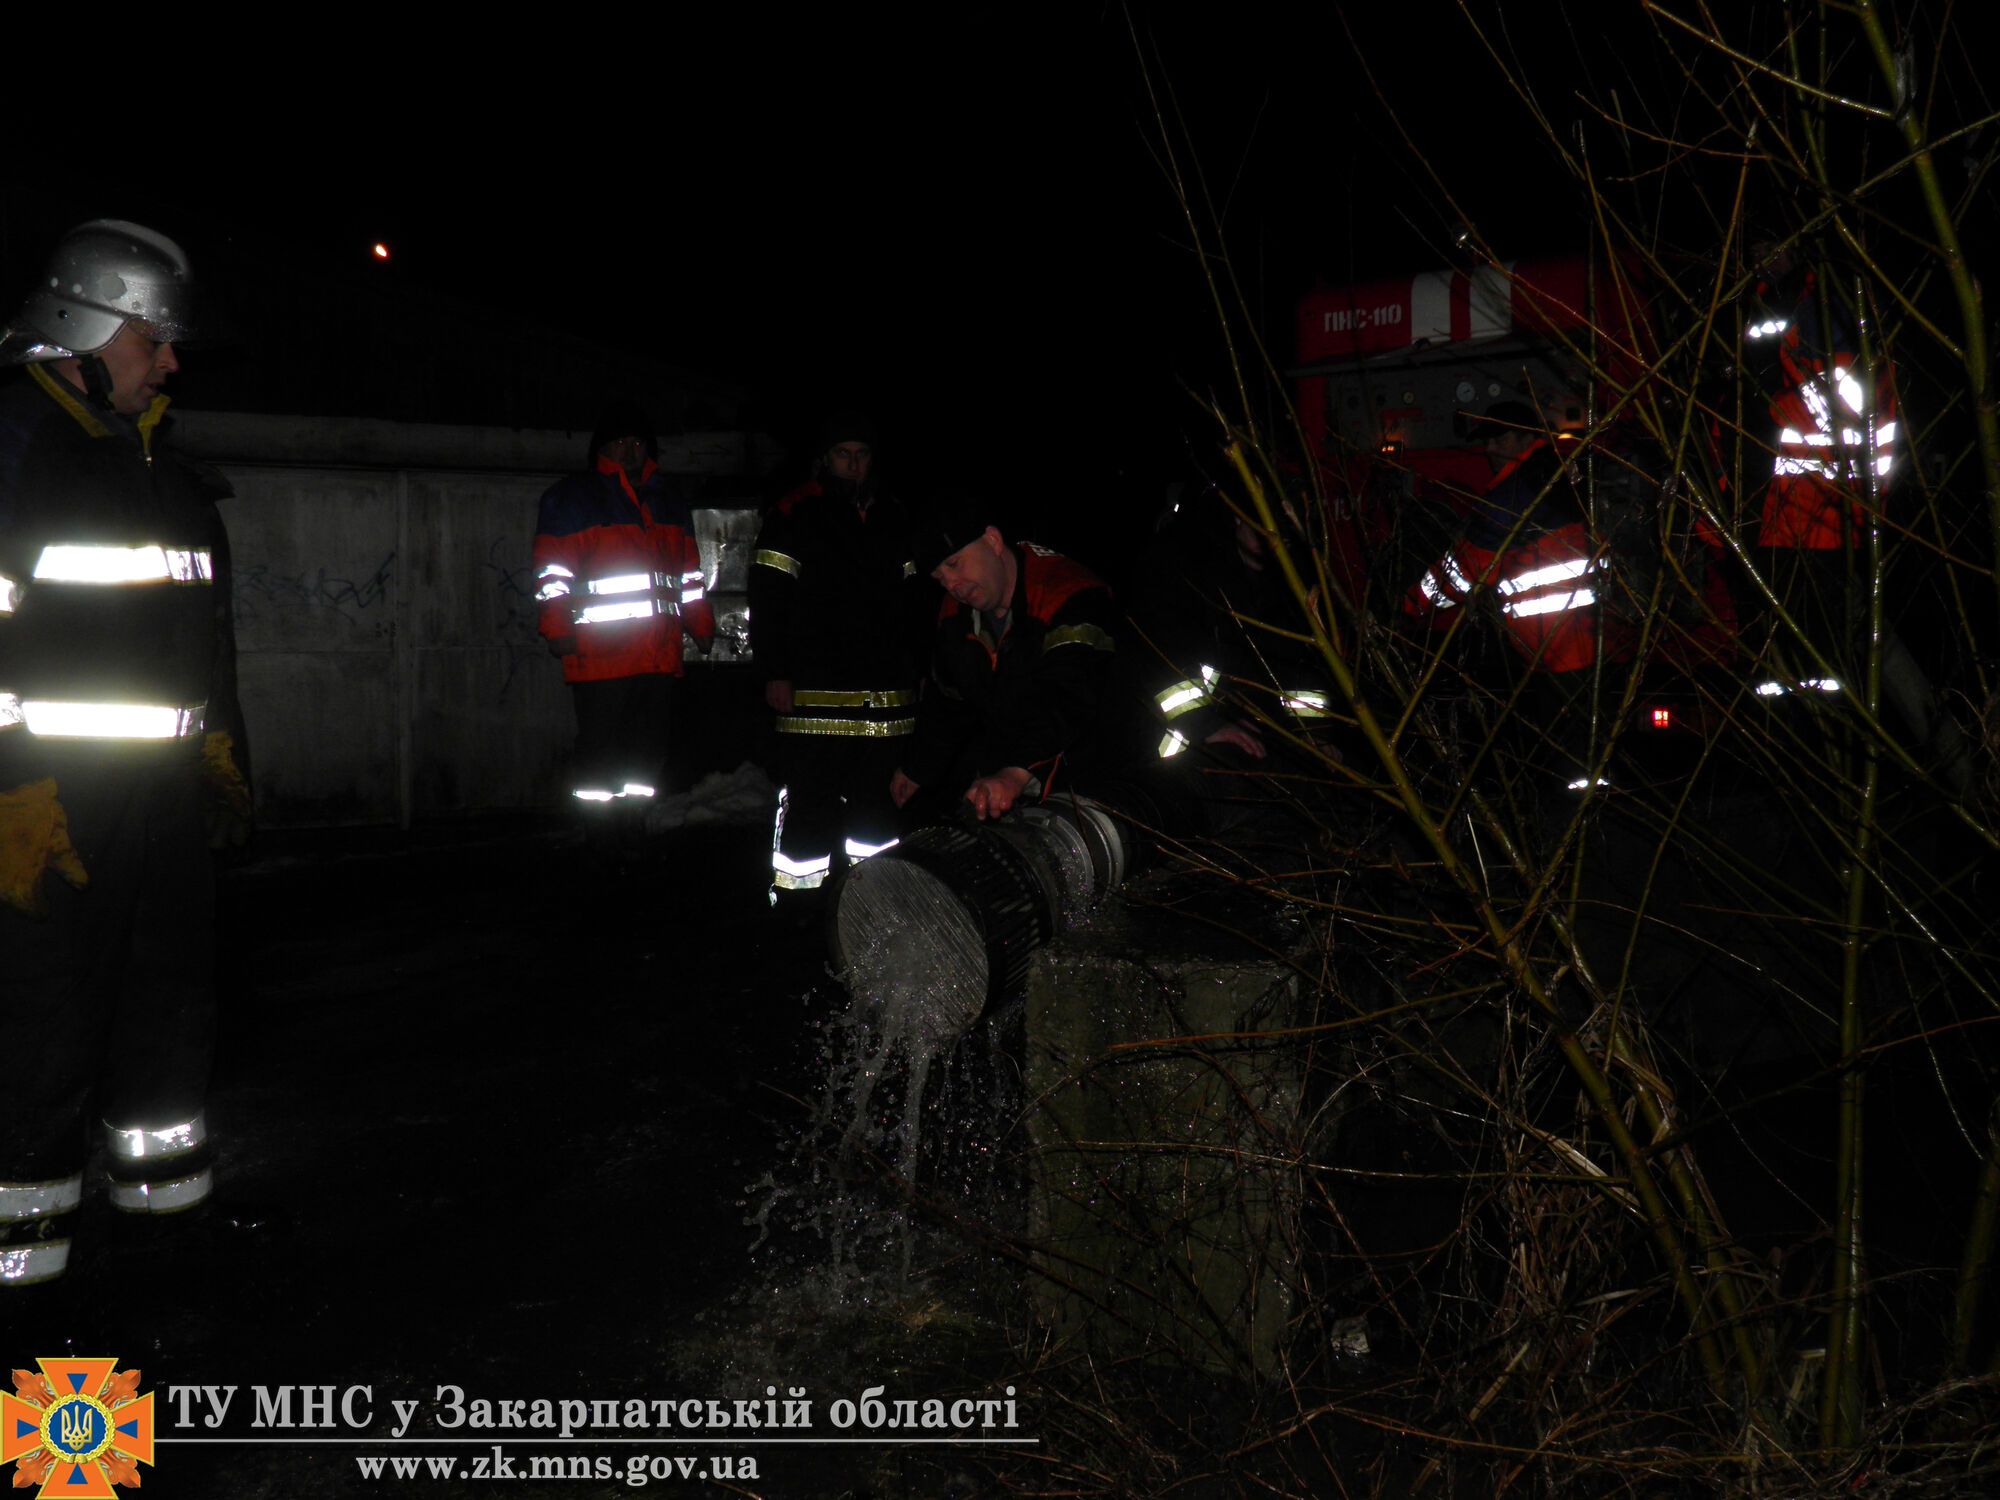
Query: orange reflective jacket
618, 573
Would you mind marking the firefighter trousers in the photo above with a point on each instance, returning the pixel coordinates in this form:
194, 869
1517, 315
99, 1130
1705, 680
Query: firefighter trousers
110, 1013
624, 733
834, 805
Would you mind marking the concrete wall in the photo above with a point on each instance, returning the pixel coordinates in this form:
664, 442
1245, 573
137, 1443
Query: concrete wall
1165, 1108
387, 652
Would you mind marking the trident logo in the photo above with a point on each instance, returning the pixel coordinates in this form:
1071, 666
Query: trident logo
76, 1426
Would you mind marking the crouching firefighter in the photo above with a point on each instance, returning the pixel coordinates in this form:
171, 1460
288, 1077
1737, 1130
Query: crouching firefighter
620, 582
118, 734
1232, 685
1022, 700
836, 610
1528, 551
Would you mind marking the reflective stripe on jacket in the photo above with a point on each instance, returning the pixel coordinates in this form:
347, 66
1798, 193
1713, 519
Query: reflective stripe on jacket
618, 571
112, 627
1832, 424
1543, 568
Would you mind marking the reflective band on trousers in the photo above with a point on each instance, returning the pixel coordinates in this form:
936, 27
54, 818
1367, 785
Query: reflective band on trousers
77, 563
789, 874
163, 1197
864, 698
21, 1203
39, 1200
605, 794
792, 724
149, 1143
1172, 743
857, 849
24, 1265
101, 721
6, 595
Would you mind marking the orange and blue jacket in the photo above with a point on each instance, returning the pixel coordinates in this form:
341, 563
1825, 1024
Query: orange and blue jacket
1525, 541
617, 572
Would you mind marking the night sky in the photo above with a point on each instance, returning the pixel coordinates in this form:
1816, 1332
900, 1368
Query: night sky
956, 219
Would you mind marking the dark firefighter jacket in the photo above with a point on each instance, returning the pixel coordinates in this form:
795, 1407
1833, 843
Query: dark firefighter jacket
1833, 420
836, 609
115, 631
1034, 697
617, 571
1199, 661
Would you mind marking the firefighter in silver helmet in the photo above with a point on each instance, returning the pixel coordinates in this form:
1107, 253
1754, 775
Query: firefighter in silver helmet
119, 749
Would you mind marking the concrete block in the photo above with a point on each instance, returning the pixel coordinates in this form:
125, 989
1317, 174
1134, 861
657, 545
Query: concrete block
1162, 1135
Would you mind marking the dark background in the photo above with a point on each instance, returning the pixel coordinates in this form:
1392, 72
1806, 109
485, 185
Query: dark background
962, 222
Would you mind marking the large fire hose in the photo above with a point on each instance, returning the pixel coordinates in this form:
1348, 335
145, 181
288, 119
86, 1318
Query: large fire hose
946, 920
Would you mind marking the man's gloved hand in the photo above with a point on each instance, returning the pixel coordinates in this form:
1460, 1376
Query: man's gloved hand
993, 795
230, 809
34, 837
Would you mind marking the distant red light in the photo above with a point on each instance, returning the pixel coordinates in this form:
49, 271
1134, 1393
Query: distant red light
381, 251
1663, 718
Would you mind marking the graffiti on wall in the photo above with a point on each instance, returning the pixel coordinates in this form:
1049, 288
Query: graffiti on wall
519, 627
261, 589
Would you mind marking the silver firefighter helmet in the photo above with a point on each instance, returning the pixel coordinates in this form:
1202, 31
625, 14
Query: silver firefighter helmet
103, 275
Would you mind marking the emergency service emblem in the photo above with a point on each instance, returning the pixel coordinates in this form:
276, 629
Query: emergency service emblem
77, 1428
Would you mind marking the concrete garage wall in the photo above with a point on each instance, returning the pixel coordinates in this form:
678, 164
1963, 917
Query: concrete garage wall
387, 653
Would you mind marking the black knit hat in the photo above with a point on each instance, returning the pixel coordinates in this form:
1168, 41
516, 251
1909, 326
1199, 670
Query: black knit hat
621, 419
952, 520
844, 427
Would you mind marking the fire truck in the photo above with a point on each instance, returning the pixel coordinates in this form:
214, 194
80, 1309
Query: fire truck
1391, 376
1398, 369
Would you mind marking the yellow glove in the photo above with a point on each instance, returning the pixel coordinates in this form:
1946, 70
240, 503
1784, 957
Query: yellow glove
231, 809
34, 838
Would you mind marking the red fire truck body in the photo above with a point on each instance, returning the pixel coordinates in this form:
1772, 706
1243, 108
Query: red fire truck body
1401, 367
1391, 375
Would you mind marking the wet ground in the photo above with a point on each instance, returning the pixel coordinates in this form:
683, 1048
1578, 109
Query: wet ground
487, 1108
497, 1114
